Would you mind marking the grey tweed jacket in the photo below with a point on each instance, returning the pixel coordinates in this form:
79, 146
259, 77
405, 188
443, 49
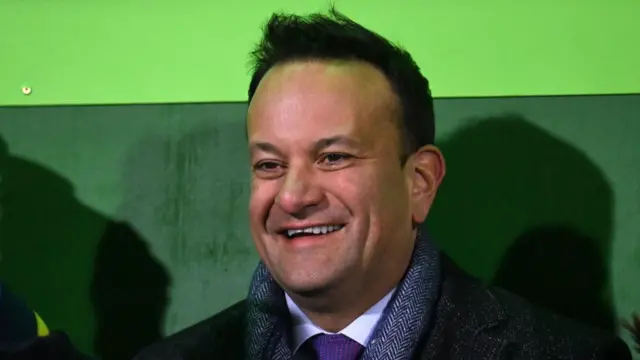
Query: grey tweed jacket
438, 313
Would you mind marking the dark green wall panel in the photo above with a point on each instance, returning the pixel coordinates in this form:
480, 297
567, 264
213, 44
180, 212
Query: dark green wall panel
120, 223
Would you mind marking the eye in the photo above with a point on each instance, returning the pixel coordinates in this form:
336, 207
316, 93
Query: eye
268, 168
266, 165
334, 159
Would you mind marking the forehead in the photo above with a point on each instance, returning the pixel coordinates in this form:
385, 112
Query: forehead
314, 98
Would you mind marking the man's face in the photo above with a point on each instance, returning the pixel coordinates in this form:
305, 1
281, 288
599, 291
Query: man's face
331, 206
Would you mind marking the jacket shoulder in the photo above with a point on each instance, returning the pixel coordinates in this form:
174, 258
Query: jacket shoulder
218, 337
472, 317
530, 327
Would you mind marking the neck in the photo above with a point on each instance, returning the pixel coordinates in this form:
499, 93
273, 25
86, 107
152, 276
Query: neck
334, 316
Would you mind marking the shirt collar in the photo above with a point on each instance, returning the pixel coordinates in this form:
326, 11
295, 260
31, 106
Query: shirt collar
359, 330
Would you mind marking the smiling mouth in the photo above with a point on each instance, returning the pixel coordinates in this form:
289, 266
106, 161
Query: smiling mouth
311, 231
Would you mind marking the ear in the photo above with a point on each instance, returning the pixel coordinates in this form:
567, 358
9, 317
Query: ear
427, 169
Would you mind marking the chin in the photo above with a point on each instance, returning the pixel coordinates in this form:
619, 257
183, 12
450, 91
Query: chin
307, 287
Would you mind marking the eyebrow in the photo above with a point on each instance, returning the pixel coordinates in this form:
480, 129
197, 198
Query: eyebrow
319, 145
335, 140
264, 147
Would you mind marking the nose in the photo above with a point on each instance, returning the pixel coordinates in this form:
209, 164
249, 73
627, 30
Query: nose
299, 192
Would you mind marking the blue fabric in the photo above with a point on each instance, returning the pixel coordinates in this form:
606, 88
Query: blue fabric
17, 321
404, 322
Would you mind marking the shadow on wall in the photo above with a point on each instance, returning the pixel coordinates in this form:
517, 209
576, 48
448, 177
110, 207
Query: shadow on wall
190, 196
85, 274
129, 293
529, 212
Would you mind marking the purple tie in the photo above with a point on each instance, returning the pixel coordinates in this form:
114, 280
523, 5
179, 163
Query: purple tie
335, 347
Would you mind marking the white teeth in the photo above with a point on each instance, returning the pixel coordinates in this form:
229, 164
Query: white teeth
315, 230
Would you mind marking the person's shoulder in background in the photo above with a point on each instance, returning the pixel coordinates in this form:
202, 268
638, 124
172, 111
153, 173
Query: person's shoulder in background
218, 337
55, 346
19, 324
24, 335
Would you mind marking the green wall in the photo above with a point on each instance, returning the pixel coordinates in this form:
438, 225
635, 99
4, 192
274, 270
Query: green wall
151, 200
78, 52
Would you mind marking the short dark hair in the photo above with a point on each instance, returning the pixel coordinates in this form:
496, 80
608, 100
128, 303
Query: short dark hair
334, 36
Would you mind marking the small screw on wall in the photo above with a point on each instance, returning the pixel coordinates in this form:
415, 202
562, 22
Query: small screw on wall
26, 90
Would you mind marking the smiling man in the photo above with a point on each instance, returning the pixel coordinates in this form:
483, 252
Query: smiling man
344, 169
332, 207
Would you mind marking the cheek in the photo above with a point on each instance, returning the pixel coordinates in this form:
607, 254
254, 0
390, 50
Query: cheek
388, 200
361, 190
359, 193
375, 190
260, 201
350, 189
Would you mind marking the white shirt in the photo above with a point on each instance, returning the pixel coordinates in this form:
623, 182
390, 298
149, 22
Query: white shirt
359, 330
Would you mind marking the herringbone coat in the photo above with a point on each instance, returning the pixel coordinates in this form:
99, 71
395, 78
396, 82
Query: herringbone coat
460, 319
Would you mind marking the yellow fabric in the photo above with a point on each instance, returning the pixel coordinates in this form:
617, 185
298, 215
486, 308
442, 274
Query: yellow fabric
43, 330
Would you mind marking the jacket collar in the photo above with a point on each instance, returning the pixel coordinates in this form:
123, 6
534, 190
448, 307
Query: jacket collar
400, 329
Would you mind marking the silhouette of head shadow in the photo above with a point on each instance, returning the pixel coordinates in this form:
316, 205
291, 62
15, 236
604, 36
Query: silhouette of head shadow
86, 275
47, 242
129, 293
528, 211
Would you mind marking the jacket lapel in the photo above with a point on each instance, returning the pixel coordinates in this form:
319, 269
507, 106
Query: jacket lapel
409, 313
266, 335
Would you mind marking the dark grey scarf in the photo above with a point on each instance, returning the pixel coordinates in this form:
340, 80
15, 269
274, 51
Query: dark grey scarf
403, 323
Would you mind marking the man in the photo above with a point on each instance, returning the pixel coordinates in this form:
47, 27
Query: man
341, 130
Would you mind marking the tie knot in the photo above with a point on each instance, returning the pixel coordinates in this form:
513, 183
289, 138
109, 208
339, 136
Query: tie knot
335, 347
